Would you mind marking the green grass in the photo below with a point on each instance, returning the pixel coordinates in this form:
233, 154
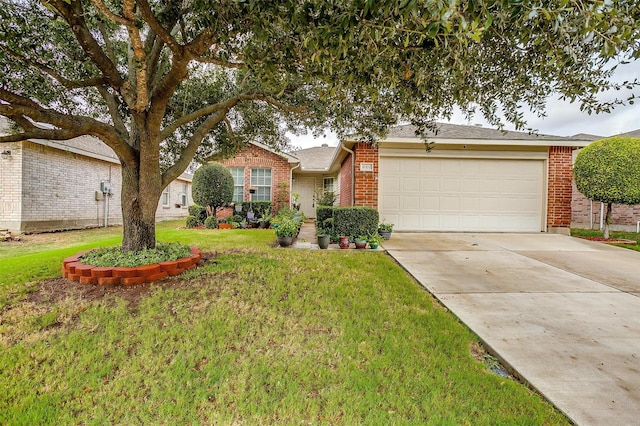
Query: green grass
258, 336
577, 232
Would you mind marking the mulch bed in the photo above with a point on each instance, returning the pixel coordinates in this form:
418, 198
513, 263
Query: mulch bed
611, 240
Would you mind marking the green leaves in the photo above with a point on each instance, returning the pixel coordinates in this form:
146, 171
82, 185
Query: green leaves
608, 170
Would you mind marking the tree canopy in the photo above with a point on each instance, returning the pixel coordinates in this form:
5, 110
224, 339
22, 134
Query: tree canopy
164, 82
608, 171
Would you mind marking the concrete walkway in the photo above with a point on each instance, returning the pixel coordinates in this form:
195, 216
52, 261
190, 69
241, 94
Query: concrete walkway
562, 313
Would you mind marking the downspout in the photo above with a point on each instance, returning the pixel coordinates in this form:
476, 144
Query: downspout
291, 183
353, 173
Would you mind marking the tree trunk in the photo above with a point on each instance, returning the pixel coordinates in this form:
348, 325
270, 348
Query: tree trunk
139, 221
607, 219
141, 191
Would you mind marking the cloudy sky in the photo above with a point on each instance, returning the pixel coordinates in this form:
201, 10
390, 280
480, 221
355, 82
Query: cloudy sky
563, 118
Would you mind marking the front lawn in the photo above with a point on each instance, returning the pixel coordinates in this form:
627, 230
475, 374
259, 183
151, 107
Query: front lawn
258, 335
626, 235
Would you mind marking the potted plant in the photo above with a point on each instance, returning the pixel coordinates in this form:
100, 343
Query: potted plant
286, 231
344, 242
374, 240
265, 221
323, 239
361, 242
224, 224
385, 229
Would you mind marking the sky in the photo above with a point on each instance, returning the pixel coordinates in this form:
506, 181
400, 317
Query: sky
563, 118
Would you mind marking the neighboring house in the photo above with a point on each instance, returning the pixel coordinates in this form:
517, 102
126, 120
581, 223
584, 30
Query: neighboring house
470, 179
55, 185
587, 214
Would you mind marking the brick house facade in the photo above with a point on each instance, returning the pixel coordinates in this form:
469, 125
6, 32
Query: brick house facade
257, 159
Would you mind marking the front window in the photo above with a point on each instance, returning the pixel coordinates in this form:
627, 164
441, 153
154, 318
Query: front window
327, 184
238, 184
183, 196
165, 196
261, 181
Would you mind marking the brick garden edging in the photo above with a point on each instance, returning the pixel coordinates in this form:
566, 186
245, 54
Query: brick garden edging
77, 271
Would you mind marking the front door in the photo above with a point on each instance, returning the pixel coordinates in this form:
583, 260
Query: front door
304, 187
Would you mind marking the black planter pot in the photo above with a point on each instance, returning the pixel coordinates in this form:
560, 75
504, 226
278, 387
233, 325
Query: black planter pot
285, 241
323, 241
384, 234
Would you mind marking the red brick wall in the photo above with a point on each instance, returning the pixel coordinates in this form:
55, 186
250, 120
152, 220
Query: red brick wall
346, 182
256, 157
366, 183
560, 187
622, 215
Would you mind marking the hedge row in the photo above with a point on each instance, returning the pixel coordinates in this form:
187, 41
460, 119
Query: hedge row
350, 221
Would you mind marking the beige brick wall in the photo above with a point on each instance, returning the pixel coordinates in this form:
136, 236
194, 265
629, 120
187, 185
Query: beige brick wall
59, 191
11, 187
170, 211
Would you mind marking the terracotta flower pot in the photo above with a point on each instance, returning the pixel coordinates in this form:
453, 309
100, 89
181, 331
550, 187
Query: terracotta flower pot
344, 242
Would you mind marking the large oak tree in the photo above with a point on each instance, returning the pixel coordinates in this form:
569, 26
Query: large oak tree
164, 82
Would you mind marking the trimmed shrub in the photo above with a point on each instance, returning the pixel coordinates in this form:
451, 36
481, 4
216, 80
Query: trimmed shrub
192, 222
608, 171
355, 221
212, 186
199, 212
323, 213
211, 222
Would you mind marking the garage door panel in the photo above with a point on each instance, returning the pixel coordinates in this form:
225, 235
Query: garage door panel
440, 194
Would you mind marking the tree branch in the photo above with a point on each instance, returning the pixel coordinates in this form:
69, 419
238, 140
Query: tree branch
74, 15
156, 27
112, 105
189, 151
226, 105
215, 61
142, 94
67, 83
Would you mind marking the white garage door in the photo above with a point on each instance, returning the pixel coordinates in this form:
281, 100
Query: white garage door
445, 194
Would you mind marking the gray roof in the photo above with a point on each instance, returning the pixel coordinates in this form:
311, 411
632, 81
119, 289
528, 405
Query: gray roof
81, 144
316, 158
457, 131
632, 134
587, 136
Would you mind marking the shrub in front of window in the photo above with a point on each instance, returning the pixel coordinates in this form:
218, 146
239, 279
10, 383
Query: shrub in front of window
212, 187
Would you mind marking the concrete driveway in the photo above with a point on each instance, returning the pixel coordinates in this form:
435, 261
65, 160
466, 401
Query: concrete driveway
562, 313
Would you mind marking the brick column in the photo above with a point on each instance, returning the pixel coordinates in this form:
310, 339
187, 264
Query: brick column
366, 182
560, 189
346, 181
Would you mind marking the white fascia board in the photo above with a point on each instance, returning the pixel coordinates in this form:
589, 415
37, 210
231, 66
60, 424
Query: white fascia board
493, 142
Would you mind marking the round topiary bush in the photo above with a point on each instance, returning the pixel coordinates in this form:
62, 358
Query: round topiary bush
192, 222
608, 170
211, 222
212, 186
